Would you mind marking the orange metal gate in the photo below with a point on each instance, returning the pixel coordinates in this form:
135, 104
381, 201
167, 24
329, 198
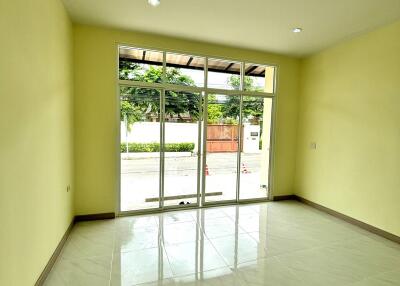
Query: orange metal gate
222, 138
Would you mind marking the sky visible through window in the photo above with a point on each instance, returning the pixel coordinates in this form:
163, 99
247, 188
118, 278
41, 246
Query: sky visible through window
217, 79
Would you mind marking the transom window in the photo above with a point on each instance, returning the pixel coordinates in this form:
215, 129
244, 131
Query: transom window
158, 67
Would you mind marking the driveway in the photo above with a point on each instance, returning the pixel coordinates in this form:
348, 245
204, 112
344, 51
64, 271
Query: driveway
140, 178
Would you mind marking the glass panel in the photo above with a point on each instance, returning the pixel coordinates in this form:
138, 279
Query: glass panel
255, 153
182, 110
222, 145
140, 148
140, 65
223, 74
259, 78
185, 70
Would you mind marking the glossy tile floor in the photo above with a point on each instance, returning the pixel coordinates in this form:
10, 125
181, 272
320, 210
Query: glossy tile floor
277, 243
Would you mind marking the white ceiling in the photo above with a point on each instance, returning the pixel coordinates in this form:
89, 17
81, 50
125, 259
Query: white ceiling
257, 24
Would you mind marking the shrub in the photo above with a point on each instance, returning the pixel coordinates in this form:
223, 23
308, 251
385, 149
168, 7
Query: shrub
179, 147
155, 147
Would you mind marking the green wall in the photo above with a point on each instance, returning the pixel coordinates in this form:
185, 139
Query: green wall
96, 110
350, 106
36, 120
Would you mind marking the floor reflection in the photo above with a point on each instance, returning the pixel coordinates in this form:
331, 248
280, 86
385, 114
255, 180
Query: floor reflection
283, 243
198, 245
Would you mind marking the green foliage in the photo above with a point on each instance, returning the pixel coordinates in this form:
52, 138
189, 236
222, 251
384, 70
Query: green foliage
143, 104
155, 147
174, 76
130, 112
182, 103
214, 111
179, 147
231, 107
218, 111
231, 121
252, 106
234, 82
129, 70
141, 147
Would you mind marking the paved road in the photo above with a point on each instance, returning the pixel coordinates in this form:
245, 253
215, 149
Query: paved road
140, 178
221, 163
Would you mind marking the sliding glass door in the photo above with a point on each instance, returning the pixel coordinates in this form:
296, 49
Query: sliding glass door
140, 148
194, 130
237, 148
182, 147
221, 148
255, 155
160, 151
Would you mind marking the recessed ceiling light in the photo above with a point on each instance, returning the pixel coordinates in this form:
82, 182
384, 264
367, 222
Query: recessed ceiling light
297, 30
154, 2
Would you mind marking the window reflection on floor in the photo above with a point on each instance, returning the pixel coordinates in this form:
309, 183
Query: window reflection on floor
279, 243
193, 245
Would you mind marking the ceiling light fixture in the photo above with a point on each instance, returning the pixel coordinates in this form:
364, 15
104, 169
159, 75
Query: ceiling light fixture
154, 2
297, 30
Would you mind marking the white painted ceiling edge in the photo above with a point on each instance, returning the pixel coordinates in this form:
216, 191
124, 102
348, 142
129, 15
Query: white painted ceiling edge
264, 25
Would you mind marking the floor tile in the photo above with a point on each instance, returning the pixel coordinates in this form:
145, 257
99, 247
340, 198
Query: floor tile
180, 232
107, 225
391, 278
345, 262
267, 272
140, 266
141, 238
192, 257
210, 213
84, 244
241, 210
93, 271
178, 216
135, 222
252, 222
162, 282
238, 249
276, 243
281, 242
218, 227
217, 277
